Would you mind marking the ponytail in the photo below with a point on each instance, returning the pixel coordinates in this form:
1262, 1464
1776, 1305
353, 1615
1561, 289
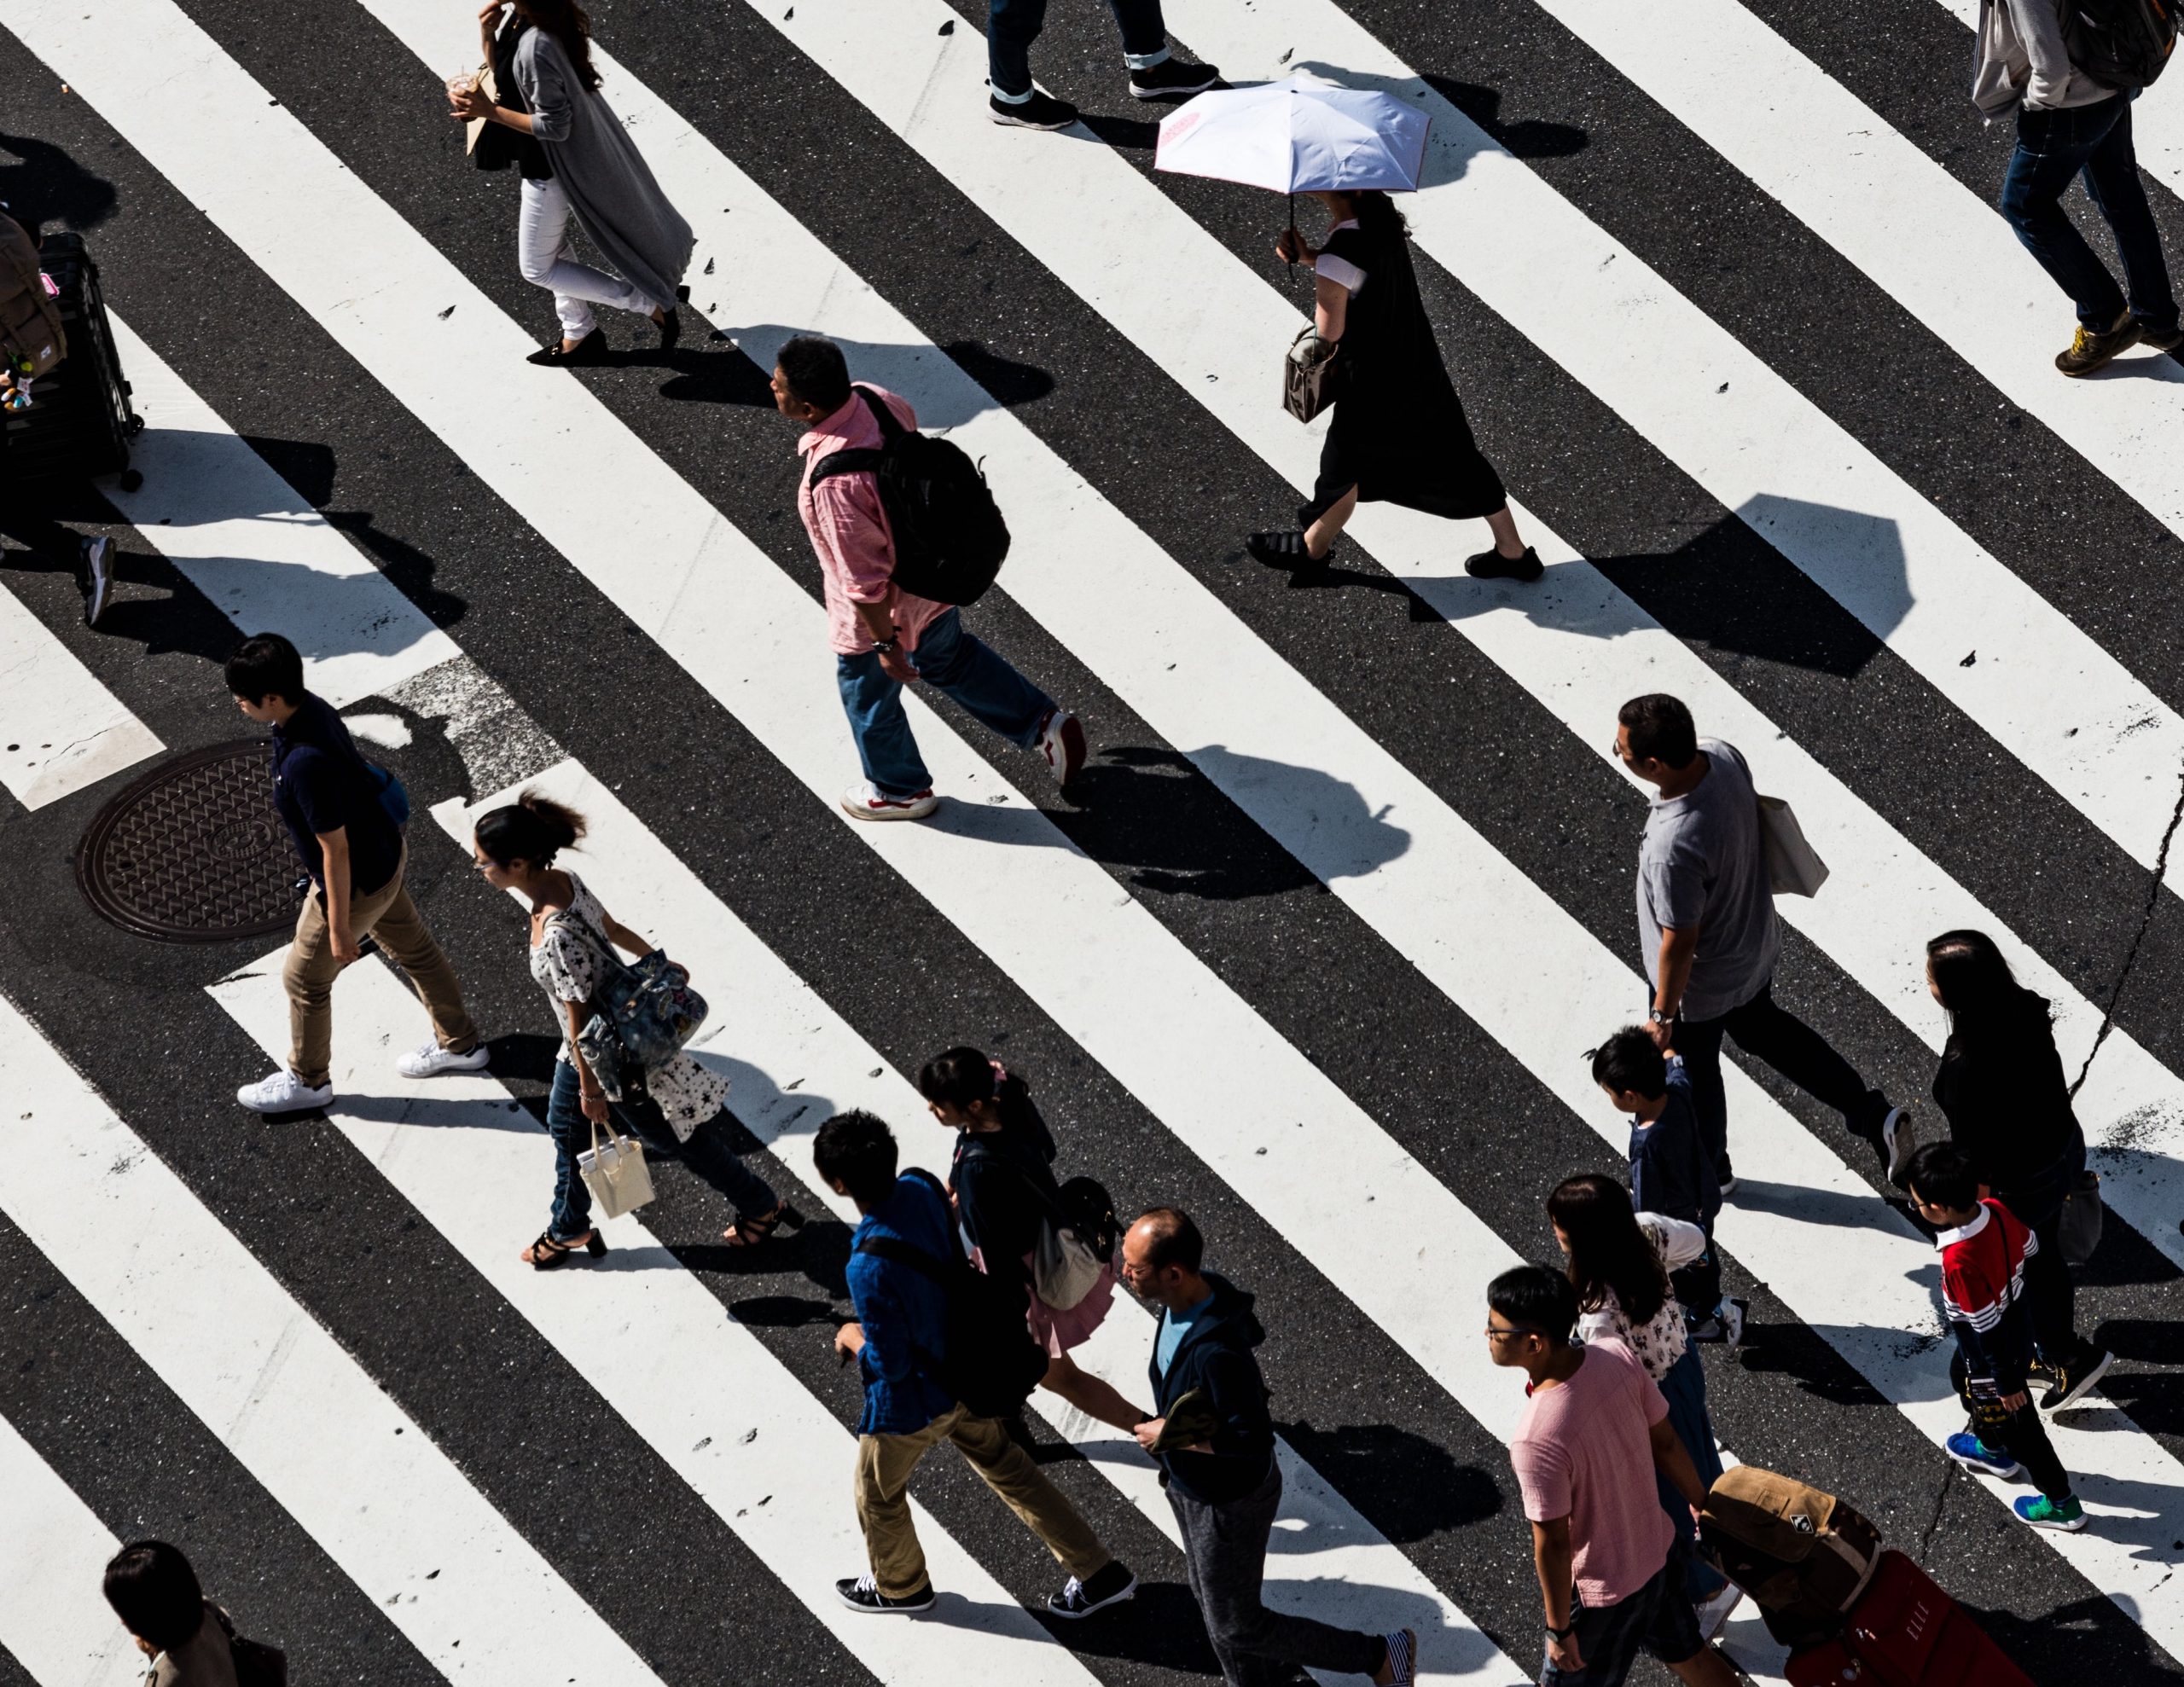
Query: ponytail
532, 828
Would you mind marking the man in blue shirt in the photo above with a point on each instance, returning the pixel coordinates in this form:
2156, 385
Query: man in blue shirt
900, 1339
329, 798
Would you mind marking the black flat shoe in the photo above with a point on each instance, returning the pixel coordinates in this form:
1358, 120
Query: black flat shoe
1491, 564
591, 349
670, 330
1283, 550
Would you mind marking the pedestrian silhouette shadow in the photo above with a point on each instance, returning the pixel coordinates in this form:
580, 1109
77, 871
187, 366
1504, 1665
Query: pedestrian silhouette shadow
980, 379
2095, 1633
1410, 1489
46, 185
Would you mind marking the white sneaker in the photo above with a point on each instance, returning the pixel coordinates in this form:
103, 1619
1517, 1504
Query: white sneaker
283, 1093
98, 567
1899, 1140
1713, 1613
431, 1060
1061, 741
863, 801
1732, 1315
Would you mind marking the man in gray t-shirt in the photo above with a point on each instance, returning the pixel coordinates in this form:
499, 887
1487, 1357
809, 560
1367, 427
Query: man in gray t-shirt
1709, 939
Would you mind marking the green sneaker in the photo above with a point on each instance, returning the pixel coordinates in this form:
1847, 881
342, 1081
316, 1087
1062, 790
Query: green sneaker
2043, 1513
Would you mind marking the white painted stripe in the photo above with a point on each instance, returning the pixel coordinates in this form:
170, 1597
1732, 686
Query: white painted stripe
61, 730
319, 1435
1578, 645
720, 1409
257, 551
792, 1061
53, 1553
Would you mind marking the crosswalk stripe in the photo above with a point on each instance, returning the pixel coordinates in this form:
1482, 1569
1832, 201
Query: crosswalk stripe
1886, 887
61, 730
294, 1408
768, 1023
703, 1390
52, 1616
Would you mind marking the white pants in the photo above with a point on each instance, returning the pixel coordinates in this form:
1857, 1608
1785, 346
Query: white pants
541, 253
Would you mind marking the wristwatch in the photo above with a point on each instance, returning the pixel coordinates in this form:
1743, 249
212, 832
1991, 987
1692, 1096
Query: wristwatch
1563, 1633
889, 645
1659, 1016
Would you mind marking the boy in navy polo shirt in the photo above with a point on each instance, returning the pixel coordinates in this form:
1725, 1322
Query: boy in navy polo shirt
330, 799
1671, 1172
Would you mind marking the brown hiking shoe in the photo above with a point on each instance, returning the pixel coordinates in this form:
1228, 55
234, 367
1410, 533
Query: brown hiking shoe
2089, 351
2171, 342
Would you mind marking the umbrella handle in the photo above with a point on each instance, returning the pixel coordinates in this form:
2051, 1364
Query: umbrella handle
1291, 262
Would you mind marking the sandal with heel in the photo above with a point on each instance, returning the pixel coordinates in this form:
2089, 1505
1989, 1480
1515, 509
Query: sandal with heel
749, 1232
548, 1251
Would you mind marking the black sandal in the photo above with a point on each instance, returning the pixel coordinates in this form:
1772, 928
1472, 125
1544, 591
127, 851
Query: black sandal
749, 1232
547, 1252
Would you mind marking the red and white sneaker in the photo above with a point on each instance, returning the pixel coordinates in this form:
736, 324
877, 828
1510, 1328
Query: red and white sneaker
863, 802
1061, 741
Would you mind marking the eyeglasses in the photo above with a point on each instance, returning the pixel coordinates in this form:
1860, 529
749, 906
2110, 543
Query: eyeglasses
1514, 1330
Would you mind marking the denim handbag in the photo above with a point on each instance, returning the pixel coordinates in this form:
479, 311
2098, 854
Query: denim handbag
641, 1015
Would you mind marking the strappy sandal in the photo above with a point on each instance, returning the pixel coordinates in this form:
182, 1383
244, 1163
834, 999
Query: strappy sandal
546, 1253
749, 1232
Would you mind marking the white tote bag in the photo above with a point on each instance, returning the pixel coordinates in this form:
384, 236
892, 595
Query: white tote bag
1793, 867
615, 1173
1064, 1267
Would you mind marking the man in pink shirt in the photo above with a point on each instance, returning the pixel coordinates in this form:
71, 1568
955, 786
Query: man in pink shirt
1611, 1565
885, 638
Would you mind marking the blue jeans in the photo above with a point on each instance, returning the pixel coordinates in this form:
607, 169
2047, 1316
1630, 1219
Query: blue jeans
1011, 25
2053, 148
1685, 1390
707, 1153
950, 660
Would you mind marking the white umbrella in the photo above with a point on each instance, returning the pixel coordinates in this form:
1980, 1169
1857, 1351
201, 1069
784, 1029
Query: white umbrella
1296, 136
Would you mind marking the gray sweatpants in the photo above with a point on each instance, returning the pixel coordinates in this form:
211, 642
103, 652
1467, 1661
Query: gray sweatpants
1225, 1548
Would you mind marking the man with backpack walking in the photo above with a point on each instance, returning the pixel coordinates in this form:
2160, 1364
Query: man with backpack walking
1214, 1441
860, 444
335, 804
904, 1267
2070, 74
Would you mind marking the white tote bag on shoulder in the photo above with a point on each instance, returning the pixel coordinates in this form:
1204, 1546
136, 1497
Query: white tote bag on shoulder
1794, 868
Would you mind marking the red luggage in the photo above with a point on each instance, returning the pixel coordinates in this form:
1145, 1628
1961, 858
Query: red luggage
1906, 1632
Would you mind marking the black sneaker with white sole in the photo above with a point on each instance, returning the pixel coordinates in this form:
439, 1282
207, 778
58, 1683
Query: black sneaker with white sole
1108, 1586
1491, 564
862, 1593
2074, 1381
1170, 77
1035, 111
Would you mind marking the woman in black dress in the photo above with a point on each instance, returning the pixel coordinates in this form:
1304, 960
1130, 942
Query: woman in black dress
1399, 433
2002, 1087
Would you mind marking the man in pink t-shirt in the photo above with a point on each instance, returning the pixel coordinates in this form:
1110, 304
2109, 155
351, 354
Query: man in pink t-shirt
1611, 1565
885, 637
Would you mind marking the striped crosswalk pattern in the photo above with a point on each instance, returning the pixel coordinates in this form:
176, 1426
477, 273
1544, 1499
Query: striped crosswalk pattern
1292, 956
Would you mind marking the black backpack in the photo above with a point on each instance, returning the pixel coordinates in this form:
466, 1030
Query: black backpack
950, 538
989, 1361
2120, 44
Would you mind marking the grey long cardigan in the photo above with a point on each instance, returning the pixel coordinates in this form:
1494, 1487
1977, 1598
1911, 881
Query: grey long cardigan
609, 183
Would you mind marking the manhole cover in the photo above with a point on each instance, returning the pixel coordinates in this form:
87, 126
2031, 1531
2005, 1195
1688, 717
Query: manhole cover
194, 852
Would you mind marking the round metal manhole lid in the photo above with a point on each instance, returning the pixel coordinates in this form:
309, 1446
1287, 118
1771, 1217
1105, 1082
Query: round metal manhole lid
194, 852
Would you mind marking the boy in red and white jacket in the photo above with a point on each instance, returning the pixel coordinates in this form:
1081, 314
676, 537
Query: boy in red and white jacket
1984, 1251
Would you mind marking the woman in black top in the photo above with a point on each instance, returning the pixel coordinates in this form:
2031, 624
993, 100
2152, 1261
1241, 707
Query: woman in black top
1399, 433
2002, 1087
1001, 1183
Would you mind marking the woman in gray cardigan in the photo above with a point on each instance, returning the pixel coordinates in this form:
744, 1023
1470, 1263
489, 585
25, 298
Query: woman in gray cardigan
595, 174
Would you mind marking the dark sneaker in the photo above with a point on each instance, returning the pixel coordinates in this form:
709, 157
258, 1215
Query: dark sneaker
1491, 564
1171, 76
2171, 341
2043, 1513
1110, 1586
1974, 1454
1283, 550
862, 1593
1040, 111
2074, 1381
2089, 351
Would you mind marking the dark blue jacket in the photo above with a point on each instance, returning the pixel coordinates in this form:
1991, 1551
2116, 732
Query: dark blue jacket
321, 783
1216, 1355
1671, 1173
903, 1311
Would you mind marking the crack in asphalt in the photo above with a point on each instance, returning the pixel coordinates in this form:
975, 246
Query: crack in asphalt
2131, 954
1948, 1474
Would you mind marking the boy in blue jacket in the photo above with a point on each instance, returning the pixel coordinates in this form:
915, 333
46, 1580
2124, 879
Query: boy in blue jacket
900, 1341
1671, 1172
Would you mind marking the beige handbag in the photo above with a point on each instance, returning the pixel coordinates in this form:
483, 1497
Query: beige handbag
1794, 868
1311, 375
1064, 1267
615, 1173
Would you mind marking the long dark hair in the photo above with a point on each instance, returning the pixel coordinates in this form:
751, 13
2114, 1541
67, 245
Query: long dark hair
1377, 215
1608, 1252
1986, 1004
532, 828
569, 24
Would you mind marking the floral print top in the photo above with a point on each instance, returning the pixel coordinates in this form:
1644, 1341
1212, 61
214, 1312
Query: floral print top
1658, 1342
566, 969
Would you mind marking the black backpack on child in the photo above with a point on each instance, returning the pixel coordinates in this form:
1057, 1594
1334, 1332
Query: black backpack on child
2122, 44
989, 1361
950, 538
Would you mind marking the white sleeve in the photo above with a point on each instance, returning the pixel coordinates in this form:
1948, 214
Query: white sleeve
1339, 270
1677, 1241
1593, 1325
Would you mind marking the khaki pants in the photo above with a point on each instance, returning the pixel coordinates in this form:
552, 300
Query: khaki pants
884, 1463
391, 917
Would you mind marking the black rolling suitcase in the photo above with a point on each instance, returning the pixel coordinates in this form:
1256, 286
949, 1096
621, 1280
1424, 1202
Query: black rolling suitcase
79, 422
